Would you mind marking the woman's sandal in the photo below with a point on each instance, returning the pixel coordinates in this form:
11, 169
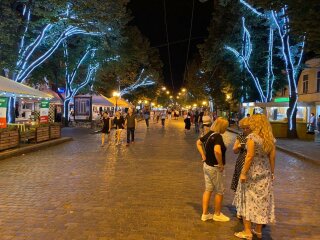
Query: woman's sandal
243, 235
259, 235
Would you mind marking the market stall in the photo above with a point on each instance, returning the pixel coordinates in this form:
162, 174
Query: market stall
24, 124
277, 114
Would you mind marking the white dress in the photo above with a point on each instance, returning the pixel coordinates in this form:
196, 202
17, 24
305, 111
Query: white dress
254, 199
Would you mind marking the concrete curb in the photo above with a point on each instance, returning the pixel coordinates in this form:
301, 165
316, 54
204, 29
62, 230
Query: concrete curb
34, 147
288, 151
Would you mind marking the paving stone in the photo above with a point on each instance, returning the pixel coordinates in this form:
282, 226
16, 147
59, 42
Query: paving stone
149, 190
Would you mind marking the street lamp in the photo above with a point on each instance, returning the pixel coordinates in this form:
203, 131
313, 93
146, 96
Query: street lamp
116, 95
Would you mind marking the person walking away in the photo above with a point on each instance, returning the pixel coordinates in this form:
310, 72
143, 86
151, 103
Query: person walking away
187, 123
105, 128
163, 117
147, 117
169, 114
196, 121
118, 121
212, 150
131, 123
152, 115
157, 116
201, 114
254, 199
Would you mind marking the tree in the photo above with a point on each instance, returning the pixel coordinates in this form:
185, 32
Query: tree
292, 53
137, 63
304, 18
43, 30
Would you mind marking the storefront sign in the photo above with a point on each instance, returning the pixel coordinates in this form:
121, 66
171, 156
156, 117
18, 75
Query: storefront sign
3, 111
248, 104
44, 111
281, 99
83, 108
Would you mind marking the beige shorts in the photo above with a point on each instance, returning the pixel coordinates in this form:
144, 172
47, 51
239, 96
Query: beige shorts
214, 179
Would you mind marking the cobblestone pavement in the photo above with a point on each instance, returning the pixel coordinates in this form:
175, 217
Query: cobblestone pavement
149, 190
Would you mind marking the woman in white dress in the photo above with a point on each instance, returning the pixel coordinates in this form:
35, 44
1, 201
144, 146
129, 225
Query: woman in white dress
254, 198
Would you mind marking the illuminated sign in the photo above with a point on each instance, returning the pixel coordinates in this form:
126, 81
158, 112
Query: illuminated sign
282, 99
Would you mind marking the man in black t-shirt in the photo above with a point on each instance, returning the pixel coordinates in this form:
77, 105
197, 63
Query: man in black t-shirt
210, 140
212, 150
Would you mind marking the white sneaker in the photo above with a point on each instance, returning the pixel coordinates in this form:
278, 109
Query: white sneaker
206, 217
220, 218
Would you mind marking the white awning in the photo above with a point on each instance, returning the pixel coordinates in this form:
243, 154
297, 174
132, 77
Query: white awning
10, 88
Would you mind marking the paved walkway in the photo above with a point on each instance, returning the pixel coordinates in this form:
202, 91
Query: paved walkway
149, 190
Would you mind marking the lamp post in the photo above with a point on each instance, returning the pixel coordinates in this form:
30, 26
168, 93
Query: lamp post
116, 95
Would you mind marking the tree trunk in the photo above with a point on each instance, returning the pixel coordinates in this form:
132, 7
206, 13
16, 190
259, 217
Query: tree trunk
293, 95
66, 112
291, 116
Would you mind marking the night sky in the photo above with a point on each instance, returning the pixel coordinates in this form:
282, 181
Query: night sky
148, 16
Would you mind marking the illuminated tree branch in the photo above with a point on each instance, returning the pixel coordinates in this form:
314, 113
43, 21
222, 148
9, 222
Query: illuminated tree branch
141, 82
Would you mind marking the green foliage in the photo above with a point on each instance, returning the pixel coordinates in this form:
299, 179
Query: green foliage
135, 54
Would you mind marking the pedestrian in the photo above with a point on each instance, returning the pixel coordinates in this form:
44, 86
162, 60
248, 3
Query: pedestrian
239, 147
201, 114
196, 121
147, 116
118, 121
163, 117
312, 123
169, 114
105, 128
187, 123
131, 123
152, 115
212, 150
254, 199
206, 124
157, 116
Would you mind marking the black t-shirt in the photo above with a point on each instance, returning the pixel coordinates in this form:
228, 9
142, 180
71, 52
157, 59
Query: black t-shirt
209, 142
200, 116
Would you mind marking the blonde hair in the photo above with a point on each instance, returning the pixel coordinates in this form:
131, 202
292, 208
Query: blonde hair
244, 122
219, 125
260, 125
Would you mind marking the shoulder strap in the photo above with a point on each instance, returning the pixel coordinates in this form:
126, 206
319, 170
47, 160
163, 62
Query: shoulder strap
211, 135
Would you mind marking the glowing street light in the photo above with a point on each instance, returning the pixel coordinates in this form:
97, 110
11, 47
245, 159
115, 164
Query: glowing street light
204, 103
116, 95
167, 92
164, 88
184, 90
228, 96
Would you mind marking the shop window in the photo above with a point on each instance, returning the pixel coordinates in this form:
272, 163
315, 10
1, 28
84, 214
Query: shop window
305, 83
318, 82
